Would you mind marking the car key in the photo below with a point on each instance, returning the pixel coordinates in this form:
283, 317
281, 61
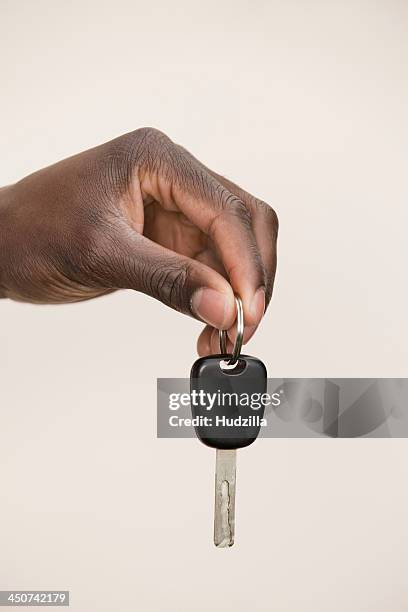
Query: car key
217, 385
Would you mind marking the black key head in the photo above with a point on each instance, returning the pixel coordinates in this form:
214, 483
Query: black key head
228, 400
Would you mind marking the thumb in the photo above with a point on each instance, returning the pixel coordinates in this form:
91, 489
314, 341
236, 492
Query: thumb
184, 284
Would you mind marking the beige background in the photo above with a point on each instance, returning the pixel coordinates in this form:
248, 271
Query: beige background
305, 104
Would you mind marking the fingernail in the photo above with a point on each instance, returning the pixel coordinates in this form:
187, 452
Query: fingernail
257, 308
210, 306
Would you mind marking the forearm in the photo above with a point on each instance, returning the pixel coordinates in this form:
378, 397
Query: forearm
7, 236
4, 197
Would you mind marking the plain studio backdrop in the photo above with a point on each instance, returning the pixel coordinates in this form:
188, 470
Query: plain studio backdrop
303, 103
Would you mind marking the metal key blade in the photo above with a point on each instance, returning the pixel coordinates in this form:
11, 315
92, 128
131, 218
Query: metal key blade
224, 516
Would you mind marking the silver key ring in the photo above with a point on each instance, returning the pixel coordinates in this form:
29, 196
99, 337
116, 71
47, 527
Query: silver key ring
240, 335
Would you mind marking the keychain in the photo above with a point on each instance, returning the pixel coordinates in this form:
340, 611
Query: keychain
224, 385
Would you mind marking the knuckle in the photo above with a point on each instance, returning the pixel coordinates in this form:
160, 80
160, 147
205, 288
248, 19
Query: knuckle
228, 201
232, 205
169, 283
150, 137
231, 210
269, 214
145, 136
144, 147
185, 173
147, 132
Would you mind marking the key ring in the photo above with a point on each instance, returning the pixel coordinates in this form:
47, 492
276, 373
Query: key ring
240, 335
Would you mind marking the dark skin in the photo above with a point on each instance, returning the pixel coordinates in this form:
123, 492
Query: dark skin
142, 213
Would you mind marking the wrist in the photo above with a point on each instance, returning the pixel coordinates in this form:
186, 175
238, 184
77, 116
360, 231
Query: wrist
5, 234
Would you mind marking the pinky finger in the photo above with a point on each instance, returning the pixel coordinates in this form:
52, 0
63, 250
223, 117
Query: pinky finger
209, 344
204, 341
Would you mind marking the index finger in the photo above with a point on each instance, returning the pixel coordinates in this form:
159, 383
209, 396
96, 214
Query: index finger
227, 221
265, 225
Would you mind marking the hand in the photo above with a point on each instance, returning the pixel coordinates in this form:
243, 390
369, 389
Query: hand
139, 212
